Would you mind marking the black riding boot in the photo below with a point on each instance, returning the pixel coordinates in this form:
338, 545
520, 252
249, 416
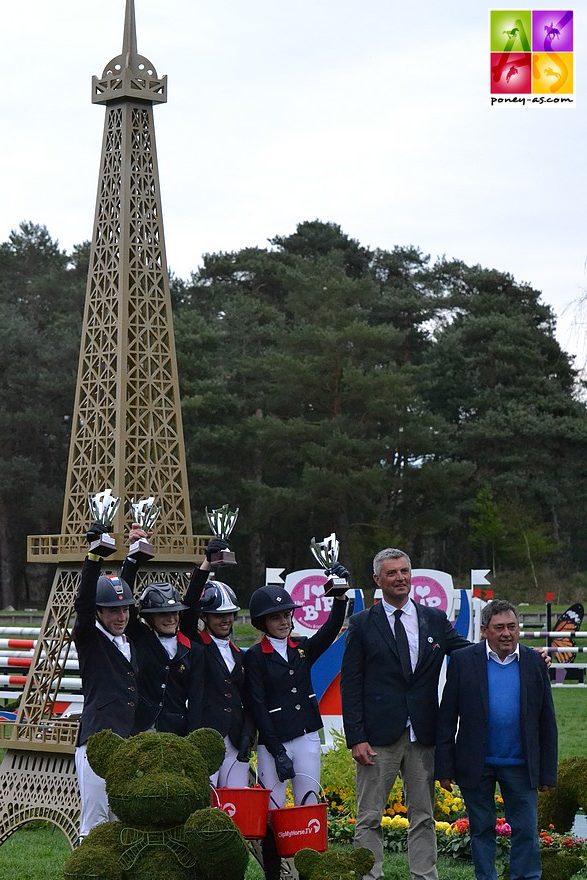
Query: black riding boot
271, 859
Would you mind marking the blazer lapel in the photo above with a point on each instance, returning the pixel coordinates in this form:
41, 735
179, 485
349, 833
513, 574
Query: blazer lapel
481, 675
271, 654
523, 685
217, 654
382, 624
181, 651
422, 633
133, 659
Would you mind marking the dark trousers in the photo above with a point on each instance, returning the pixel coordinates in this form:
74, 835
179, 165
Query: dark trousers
520, 811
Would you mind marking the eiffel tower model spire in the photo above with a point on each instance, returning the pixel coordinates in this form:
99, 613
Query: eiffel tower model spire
126, 428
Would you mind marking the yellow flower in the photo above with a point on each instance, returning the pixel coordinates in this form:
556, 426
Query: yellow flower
442, 826
399, 822
386, 821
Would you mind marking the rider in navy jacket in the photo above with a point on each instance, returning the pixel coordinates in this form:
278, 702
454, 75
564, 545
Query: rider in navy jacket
225, 702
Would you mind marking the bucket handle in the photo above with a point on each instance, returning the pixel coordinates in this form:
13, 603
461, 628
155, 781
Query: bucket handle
318, 791
228, 775
315, 792
230, 769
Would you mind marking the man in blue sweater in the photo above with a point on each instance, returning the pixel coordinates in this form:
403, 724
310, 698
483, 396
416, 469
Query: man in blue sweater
497, 725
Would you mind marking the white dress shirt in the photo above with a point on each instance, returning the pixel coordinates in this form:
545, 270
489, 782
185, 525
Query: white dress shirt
121, 642
169, 643
491, 655
226, 651
409, 618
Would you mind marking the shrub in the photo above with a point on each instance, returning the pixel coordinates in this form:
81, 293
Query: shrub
558, 805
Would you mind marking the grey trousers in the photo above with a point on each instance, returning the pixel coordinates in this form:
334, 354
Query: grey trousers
415, 763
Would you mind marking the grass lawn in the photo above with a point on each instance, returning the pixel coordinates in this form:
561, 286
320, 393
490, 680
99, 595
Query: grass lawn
571, 715
39, 854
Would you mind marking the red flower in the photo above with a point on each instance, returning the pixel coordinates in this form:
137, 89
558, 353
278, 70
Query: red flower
461, 826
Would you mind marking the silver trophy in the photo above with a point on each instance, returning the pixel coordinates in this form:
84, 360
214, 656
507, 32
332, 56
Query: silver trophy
221, 522
144, 513
103, 507
326, 555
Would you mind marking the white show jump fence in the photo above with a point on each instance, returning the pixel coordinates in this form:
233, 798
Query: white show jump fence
17, 645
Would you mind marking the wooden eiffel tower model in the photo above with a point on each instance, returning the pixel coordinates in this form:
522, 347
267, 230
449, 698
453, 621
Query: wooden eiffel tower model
126, 429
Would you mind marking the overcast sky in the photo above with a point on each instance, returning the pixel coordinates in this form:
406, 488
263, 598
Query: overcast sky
368, 113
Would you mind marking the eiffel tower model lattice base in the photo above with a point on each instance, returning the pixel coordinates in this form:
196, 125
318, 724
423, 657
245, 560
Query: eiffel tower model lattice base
127, 432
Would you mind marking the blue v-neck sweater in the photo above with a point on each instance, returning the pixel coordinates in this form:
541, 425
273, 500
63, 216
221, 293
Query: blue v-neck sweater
504, 743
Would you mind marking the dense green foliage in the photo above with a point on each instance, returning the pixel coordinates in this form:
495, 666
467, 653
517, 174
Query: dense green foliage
333, 865
324, 387
159, 786
41, 303
558, 806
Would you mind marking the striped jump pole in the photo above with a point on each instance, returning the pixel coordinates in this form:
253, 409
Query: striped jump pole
544, 634
20, 680
21, 649
18, 644
20, 631
25, 662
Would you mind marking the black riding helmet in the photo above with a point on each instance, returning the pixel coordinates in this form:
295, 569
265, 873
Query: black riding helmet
160, 599
218, 598
269, 600
113, 592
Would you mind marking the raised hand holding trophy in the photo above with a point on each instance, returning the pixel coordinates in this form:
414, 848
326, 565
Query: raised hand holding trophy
326, 555
144, 514
103, 507
221, 522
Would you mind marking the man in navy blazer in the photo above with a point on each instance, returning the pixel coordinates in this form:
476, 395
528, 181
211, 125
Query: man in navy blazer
497, 696
389, 686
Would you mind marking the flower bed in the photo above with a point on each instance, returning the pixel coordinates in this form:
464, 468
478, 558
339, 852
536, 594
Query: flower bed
453, 838
551, 840
452, 824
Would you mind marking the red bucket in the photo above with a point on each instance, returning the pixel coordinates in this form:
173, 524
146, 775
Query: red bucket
247, 807
297, 827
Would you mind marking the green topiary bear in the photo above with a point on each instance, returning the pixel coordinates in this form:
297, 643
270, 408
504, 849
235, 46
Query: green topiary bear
158, 787
558, 805
333, 865
555, 865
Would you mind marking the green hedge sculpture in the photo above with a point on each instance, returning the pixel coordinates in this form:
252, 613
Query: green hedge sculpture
558, 805
158, 787
332, 865
555, 866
